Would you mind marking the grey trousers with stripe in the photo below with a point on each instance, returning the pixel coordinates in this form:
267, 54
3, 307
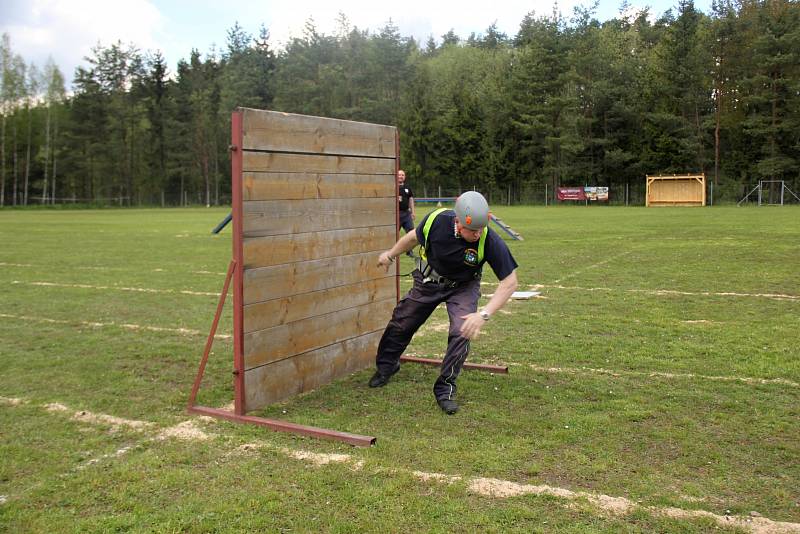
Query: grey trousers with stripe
412, 311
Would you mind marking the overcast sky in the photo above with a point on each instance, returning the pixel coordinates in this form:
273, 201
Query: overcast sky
68, 29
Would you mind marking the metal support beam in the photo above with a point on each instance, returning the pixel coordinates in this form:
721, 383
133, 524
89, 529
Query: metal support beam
283, 426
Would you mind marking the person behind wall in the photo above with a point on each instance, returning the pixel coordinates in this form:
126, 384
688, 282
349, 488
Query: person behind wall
455, 245
405, 199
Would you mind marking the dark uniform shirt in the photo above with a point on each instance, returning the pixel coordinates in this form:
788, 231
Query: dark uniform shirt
456, 258
403, 196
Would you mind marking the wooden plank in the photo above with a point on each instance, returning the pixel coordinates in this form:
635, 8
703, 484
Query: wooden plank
288, 279
274, 250
275, 217
272, 130
313, 163
283, 341
281, 185
280, 380
285, 310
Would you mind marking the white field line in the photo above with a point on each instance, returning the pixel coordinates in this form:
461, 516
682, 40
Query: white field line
593, 266
488, 487
120, 288
102, 268
659, 374
778, 296
127, 326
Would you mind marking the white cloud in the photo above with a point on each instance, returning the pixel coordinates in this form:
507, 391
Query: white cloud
417, 18
67, 30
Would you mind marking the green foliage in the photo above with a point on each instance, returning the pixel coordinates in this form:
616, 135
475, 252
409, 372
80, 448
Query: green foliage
560, 103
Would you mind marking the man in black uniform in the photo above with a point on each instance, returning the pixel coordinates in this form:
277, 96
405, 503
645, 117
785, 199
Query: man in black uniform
406, 200
455, 244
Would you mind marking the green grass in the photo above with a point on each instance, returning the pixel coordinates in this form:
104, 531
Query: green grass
637, 375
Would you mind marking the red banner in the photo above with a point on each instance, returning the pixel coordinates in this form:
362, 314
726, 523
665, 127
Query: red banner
583, 193
571, 193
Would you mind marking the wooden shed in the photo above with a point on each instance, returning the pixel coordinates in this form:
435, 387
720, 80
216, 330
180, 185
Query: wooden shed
676, 190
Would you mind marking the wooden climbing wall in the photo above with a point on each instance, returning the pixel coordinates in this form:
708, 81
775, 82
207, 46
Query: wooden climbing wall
314, 203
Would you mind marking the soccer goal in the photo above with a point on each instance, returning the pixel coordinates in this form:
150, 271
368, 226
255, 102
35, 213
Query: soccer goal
770, 193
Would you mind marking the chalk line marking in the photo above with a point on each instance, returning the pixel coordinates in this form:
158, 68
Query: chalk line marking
488, 487
777, 296
659, 374
120, 288
103, 268
127, 326
593, 266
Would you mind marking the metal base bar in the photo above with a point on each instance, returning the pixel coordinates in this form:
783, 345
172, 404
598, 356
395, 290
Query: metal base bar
283, 426
502, 369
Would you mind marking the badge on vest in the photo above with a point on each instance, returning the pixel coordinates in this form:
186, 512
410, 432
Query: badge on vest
471, 257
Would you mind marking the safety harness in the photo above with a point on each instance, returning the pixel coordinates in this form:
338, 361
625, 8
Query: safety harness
429, 274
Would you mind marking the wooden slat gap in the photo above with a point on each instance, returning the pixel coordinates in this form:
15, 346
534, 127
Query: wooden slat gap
304, 153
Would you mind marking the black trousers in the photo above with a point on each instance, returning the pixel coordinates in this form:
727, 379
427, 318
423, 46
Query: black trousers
406, 223
412, 311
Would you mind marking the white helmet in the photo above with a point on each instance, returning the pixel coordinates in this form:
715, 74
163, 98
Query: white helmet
472, 210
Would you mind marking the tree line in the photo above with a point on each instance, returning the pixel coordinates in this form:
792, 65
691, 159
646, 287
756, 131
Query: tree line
563, 102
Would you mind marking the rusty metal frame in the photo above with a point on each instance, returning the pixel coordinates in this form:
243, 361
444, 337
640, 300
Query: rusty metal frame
397, 210
236, 273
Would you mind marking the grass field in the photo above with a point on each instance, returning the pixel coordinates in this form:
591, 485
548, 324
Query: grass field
654, 387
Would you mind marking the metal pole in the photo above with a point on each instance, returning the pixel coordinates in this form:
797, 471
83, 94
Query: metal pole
237, 145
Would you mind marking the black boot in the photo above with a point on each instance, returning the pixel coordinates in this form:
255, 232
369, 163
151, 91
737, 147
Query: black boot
378, 380
448, 406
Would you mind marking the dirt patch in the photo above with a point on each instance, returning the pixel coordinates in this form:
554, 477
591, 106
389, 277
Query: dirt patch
493, 487
612, 505
248, 448
11, 401
102, 419
185, 431
56, 407
316, 458
757, 525
438, 477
